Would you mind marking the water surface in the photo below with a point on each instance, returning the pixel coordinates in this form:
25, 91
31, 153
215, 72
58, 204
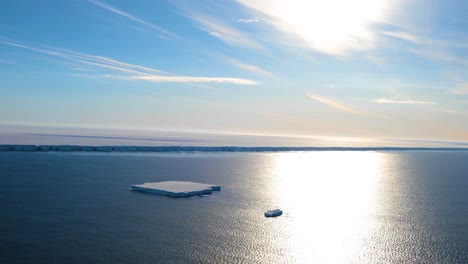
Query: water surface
339, 207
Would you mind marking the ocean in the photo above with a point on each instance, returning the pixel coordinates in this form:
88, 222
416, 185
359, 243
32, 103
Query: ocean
339, 207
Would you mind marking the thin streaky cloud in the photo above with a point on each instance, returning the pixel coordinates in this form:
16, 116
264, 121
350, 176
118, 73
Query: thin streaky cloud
439, 55
109, 67
225, 33
131, 17
132, 78
79, 69
192, 81
19, 45
136, 72
110, 61
248, 67
404, 36
176, 79
87, 59
189, 79
331, 103
448, 42
7, 61
247, 20
400, 101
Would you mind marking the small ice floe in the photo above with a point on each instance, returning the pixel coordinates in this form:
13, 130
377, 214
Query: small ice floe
176, 188
273, 213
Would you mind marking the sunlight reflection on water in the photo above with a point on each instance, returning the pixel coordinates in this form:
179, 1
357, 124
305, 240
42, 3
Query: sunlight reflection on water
327, 198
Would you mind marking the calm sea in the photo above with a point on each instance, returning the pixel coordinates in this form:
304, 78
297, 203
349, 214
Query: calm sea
339, 207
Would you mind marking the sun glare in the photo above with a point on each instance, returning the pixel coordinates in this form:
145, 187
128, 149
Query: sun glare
333, 26
328, 197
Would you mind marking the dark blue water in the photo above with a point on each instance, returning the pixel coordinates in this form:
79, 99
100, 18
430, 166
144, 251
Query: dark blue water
339, 207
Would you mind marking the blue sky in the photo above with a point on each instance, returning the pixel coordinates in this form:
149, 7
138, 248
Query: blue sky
363, 68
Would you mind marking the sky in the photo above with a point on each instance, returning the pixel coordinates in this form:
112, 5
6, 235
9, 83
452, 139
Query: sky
360, 68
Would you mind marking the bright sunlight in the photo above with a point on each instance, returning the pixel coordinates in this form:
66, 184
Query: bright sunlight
333, 26
329, 197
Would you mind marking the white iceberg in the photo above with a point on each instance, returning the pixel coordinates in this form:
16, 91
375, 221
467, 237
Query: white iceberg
176, 188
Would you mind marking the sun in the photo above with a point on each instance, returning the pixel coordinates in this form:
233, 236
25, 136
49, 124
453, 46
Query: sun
332, 26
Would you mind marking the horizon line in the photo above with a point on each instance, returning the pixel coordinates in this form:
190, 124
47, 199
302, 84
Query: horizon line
162, 149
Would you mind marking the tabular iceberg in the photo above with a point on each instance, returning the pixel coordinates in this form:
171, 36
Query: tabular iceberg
176, 188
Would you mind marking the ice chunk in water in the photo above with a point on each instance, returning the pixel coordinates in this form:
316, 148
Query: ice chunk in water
176, 188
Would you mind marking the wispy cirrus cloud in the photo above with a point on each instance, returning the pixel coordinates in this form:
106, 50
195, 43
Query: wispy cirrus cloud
247, 20
439, 55
4, 61
428, 41
80, 69
188, 79
331, 103
223, 32
126, 71
86, 59
174, 79
133, 18
248, 67
217, 26
404, 36
432, 48
394, 100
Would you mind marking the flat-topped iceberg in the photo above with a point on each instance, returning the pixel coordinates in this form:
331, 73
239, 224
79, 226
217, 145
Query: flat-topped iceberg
176, 188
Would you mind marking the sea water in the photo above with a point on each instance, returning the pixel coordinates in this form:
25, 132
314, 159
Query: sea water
338, 207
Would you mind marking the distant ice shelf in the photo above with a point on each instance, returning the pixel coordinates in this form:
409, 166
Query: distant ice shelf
74, 148
176, 188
